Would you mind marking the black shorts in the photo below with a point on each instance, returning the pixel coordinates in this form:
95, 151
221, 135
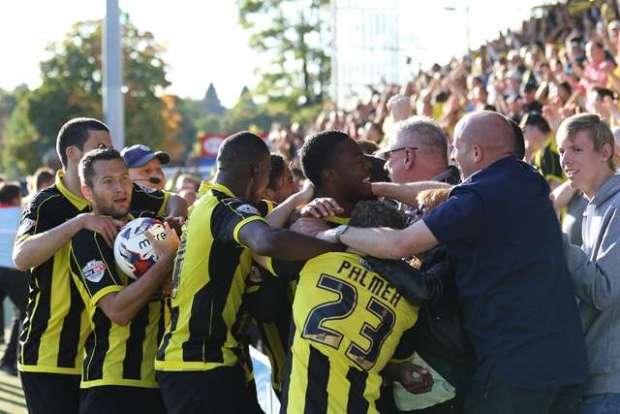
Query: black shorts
51, 393
221, 390
118, 399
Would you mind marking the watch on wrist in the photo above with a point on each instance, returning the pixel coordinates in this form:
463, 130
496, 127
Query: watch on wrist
339, 231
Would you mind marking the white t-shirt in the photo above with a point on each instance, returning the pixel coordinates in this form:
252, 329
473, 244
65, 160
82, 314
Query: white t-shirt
9, 223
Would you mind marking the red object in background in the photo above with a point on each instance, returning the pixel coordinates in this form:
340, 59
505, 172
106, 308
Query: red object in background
210, 143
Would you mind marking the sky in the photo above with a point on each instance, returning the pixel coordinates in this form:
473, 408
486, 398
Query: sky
205, 44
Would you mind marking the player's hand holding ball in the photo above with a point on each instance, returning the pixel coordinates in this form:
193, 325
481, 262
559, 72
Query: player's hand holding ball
164, 240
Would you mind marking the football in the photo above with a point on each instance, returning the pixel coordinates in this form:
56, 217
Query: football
133, 252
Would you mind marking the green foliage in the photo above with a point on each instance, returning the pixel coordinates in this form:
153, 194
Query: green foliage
247, 115
294, 34
72, 86
21, 149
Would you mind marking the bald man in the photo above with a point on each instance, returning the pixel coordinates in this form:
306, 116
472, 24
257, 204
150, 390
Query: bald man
515, 295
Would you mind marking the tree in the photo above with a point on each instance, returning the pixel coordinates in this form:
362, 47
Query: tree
246, 114
21, 149
72, 86
293, 33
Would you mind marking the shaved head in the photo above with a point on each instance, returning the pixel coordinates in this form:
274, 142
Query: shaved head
482, 138
488, 129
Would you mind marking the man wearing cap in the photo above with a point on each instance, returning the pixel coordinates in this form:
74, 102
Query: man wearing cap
145, 165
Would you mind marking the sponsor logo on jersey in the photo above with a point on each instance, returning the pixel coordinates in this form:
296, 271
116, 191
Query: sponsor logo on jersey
247, 209
94, 271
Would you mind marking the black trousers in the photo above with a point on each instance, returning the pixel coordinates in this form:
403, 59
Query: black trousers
498, 397
51, 393
13, 283
114, 399
221, 390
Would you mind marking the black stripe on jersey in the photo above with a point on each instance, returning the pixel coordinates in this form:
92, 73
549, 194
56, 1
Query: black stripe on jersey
174, 319
166, 304
206, 323
287, 370
357, 384
94, 361
132, 363
39, 313
70, 333
318, 374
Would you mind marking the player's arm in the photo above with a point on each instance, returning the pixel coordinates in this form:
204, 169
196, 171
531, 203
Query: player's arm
460, 218
176, 206
162, 203
264, 240
122, 306
280, 215
415, 379
32, 248
384, 243
405, 192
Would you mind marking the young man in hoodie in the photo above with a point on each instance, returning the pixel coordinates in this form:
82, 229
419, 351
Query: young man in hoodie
586, 147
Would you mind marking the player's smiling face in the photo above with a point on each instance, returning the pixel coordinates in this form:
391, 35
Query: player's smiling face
352, 171
112, 188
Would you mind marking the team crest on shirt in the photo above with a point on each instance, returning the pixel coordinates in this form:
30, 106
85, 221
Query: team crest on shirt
94, 271
247, 209
25, 226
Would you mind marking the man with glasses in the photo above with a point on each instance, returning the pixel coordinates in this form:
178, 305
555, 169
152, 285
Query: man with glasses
419, 152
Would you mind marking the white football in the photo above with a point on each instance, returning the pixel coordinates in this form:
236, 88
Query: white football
133, 252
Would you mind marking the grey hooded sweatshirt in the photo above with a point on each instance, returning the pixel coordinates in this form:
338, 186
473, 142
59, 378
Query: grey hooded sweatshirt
595, 269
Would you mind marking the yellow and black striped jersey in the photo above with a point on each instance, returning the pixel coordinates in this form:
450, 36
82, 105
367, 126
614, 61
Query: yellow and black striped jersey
114, 354
208, 284
55, 325
347, 324
276, 334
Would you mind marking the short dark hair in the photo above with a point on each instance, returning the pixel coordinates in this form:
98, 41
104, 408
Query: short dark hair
602, 93
87, 163
75, 132
368, 147
277, 169
537, 120
317, 154
377, 213
41, 176
9, 191
239, 151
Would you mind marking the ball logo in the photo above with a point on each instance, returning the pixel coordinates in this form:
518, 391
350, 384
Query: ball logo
94, 271
133, 251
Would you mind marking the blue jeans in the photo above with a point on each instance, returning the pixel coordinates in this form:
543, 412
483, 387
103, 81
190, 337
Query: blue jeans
601, 404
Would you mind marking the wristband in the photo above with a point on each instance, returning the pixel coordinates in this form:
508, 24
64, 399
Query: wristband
339, 231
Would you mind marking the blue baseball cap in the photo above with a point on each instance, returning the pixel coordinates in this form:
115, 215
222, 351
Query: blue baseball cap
138, 155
